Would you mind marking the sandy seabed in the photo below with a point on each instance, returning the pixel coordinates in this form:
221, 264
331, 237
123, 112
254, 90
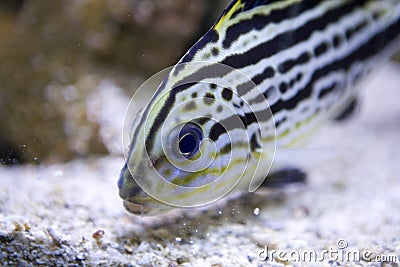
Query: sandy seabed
348, 213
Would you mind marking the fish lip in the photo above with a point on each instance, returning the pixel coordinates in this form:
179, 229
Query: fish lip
135, 199
136, 208
141, 209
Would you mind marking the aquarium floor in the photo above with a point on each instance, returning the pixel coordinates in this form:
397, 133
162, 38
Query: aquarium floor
70, 214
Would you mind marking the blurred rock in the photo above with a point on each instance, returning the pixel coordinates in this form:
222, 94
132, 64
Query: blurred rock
59, 55
396, 57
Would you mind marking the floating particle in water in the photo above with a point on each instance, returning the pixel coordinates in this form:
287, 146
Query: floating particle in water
256, 211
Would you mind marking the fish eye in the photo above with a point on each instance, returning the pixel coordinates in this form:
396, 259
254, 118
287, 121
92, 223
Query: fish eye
190, 138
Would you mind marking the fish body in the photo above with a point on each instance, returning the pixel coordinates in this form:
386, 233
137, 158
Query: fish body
262, 78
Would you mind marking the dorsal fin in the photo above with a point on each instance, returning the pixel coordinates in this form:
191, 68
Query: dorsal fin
238, 6
233, 8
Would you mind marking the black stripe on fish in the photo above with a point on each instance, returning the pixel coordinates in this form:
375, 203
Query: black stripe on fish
290, 38
362, 53
259, 21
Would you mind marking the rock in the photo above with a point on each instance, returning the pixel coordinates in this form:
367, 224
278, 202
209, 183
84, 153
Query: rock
396, 57
61, 51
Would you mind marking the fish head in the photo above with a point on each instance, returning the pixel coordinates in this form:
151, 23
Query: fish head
189, 147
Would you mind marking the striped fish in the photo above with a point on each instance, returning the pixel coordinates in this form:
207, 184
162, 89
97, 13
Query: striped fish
262, 78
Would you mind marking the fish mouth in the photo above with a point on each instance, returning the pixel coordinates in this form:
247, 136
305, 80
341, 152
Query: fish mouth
147, 208
135, 199
138, 209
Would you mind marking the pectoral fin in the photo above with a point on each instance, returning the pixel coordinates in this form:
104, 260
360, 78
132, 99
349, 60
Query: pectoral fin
349, 111
285, 177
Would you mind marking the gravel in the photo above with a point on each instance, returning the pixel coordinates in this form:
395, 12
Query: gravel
70, 213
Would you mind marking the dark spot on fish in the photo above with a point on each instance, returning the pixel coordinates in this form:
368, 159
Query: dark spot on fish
219, 109
321, 49
376, 15
190, 106
227, 94
283, 88
215, 51
337, 40
359, 27
209, 99
292, 83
